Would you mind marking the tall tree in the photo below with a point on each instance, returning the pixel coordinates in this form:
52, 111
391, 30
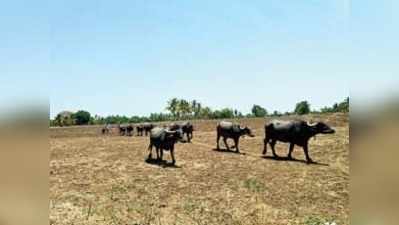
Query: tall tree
302, 108
344, 106
259, 111
184, 107
206, 112
82, 117
172, 106
64, 118
195, 108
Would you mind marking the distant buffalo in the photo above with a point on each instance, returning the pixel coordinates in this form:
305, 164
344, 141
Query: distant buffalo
125, 130
186, 127
106, 129
144, 128
139, 129
296, 132
122, 130
163, 139
129, 130
231, 130
147, 128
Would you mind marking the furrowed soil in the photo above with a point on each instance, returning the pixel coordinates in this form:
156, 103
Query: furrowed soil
104, 179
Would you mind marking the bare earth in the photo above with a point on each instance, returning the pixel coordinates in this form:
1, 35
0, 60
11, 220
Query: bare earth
96, 179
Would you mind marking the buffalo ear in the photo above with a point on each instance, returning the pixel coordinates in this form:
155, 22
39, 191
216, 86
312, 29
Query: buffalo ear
311, 123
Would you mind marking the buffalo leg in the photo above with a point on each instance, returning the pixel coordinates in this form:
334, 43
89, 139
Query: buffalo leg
150, 150
188, 137
158, 153
265, 141
236, 142
217, 141
290, 151
161, 153
272, 144
225, 143
172, 153
305, 149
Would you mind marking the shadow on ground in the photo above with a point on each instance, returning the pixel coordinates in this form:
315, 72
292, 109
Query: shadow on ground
227, 151
293, 160
163, 163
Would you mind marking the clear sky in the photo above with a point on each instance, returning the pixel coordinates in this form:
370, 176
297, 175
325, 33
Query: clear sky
129, 57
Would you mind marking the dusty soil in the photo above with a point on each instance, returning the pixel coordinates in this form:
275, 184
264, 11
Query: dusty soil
97, 179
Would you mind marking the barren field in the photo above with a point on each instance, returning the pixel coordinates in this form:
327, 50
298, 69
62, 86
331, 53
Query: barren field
97, 179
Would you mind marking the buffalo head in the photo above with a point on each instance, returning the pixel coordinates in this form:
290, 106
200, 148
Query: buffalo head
247, 131
322, 128
176, 135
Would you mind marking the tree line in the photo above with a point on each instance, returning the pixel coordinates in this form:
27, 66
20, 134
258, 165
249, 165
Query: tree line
181, 109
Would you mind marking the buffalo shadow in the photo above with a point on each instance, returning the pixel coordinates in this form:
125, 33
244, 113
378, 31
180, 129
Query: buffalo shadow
284, 158
225, 150
161, 163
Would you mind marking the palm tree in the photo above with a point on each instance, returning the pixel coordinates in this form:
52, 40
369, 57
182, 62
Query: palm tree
184, 107
198, 109
206, 112
195, 107
173, 107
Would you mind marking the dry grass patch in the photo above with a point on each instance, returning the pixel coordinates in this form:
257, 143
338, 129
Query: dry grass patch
97, 179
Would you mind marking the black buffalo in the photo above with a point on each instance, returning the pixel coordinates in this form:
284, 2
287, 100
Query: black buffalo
144, 128
125, 129
106, 129
231, 130
295, 132
122, 129
139, 129
147, 128
163, 139
129, 130
186, 127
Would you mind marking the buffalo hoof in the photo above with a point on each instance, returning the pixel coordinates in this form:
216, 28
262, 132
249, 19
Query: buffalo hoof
309, 161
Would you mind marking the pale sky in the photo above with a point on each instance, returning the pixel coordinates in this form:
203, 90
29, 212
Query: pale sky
130, 57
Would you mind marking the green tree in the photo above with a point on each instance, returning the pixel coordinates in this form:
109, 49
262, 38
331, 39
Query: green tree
184, 108
223, 113
276, 113
205, 113
344, 106
196, 108
64, 118
302, 108
172, 106
258, 111
337, 107
82, 117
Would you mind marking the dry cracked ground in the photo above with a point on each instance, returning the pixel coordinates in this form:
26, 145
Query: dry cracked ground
97, 179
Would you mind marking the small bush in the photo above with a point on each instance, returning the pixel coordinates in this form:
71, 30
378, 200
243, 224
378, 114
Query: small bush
316, 220
253, 185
